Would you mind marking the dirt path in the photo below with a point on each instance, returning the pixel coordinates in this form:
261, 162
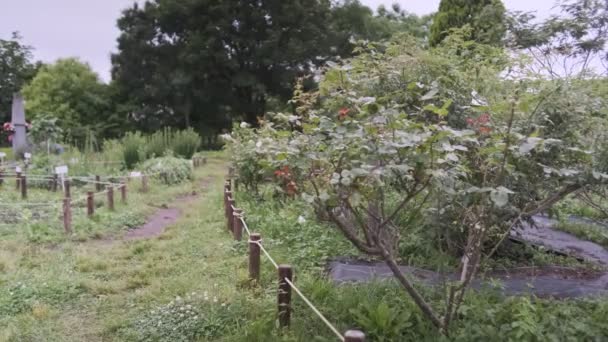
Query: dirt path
155, 224
164, 217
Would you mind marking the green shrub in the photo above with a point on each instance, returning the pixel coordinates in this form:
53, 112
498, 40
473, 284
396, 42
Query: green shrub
185, 143
169, 170
132, 143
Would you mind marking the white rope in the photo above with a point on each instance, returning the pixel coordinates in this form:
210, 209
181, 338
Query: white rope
274, 263
82, 198
86, 180
245, 225
313, 308
39, 204
102, 162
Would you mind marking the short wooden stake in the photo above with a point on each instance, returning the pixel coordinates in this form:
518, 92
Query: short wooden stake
23, 187
123, 193
110, 191
284, 295
237, 224
97, 183
1, 177
55, 183
90, 203
67, 215
227, 196
228, 185
254, 257
354, 336
66, 186
144, 183
18, 182
231, 204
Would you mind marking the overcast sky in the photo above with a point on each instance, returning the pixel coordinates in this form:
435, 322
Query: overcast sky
87, 28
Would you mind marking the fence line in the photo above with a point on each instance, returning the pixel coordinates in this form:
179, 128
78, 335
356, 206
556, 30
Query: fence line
284, 305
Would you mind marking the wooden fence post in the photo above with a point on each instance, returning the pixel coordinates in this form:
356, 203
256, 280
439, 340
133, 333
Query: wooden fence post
228, 185
66, 186
237, 224
254, 257
67, 215
231, 204
1, 178
123, 193
90, 203
97, 183
284, 295
55, 183
227, 196
144, 183
354, 336
18, 182
110, 191
24, 187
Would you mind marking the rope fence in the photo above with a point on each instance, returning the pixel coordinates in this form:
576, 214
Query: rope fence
67, 201
236, 223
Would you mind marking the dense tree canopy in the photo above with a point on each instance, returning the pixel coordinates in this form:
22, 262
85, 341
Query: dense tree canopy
16, 68
71, 92
485, 17
190, 63
201, 63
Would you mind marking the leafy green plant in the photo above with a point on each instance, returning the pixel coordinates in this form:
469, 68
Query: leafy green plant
169, 170
380, 321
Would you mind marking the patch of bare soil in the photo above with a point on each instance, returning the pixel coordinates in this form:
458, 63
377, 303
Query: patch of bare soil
155, 224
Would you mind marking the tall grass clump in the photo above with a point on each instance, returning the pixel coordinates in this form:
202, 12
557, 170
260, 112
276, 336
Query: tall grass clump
112, 150
132, 143
185, 143
158, 143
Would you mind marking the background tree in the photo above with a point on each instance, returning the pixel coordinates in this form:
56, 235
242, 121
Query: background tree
352, 21
71, 92
485, 17
16, 69
196, 63
572, 42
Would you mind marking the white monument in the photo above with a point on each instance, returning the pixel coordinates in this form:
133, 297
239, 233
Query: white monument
18, 121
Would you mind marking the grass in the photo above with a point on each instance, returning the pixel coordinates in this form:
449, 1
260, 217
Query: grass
95, 290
